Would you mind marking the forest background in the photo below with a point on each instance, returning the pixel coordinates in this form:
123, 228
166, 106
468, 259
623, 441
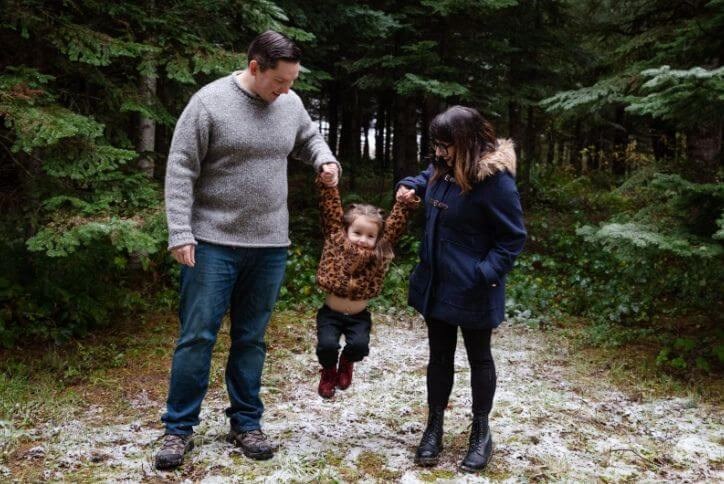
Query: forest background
615, 106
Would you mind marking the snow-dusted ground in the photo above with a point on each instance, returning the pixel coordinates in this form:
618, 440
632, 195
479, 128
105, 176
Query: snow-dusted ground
548, 423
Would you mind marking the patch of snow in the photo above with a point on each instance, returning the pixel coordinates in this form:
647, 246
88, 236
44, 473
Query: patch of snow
545, 424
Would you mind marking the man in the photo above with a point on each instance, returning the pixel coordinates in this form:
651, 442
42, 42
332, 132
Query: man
226, 204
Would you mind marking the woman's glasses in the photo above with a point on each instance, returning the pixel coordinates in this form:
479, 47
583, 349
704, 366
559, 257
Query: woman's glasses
439, 145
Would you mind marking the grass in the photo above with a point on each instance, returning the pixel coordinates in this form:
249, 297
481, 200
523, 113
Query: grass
435, 474
632, 367
375, 465
45, 383
108, 371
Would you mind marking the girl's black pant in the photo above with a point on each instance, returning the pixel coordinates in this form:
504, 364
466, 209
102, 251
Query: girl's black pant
443, 338
355, 328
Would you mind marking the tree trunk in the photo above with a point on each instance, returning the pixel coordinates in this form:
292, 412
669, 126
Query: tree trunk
426, 115
526, 167
594, 146
576, 147
703, 151
349, 143
620, 141
514, 123
405, 144
380, 133
147, 127
388, 134
148, 86
663, 142
365, 135
430, 107
550, 149
333, 116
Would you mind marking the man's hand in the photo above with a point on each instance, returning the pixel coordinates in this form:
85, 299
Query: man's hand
405, 195
330, 174
185, 254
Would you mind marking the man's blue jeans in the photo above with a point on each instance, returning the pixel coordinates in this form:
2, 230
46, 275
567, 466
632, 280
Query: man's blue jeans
246, 280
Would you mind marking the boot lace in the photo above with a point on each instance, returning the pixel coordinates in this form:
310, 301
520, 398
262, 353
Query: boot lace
255, 437
174, 443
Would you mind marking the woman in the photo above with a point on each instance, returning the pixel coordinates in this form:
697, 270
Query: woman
473, 233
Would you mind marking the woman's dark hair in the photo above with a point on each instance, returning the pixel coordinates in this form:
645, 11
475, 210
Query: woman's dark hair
472, 136
270, 47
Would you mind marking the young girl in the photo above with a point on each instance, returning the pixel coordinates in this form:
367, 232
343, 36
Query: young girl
356, 256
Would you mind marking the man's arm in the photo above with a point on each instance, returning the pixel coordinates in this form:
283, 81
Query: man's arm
188, 149
310, 147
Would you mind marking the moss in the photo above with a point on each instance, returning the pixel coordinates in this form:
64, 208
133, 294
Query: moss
435, 474
89, 474
291, 331
374, 465
349, 474
497, 470
333, 458
456, 444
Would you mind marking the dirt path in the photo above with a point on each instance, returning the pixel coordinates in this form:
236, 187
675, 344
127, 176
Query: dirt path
549, 422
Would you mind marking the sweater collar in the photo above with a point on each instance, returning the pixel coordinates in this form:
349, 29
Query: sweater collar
250, 95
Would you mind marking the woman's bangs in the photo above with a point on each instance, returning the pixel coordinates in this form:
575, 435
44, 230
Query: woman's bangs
441, 129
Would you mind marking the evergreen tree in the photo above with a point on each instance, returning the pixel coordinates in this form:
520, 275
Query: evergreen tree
84, 87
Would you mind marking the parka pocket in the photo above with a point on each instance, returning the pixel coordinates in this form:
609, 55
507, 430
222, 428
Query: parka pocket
419, 279
463, 285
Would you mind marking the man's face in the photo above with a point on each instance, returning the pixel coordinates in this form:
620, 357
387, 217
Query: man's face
272, 83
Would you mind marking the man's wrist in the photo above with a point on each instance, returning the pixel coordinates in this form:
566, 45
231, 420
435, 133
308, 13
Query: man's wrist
331, 162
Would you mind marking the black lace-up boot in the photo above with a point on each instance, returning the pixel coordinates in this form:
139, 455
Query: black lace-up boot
428, 452
481, 445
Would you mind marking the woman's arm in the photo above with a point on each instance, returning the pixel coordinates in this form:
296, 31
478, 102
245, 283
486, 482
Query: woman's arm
503, 205
417, 183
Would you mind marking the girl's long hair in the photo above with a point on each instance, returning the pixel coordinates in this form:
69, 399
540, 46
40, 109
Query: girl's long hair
472, 136
383, 249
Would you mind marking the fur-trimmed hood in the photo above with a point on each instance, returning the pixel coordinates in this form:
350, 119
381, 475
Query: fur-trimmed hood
503, 158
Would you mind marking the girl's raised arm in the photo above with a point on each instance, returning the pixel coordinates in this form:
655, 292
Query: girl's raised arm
330, 207
396, 223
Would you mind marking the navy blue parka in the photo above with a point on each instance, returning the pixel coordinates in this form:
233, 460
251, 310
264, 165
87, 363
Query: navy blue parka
470, 243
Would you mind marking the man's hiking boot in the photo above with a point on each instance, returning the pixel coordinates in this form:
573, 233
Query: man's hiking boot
344, 373
327, 382
253, 443
173, 449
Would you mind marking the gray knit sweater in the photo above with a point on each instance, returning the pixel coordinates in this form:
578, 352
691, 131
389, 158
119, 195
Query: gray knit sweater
226, 178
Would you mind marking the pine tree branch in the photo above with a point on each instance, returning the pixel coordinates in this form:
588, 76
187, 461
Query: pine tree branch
15, 160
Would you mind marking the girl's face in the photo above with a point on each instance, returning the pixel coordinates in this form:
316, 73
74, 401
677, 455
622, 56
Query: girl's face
363, 231
446, 151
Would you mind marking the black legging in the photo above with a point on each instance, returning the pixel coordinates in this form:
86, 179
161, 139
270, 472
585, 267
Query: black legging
440, 371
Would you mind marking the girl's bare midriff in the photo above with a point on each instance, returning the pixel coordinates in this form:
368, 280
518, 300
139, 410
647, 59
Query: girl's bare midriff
345, 305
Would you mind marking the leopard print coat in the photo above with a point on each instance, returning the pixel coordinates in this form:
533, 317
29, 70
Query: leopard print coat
348, 270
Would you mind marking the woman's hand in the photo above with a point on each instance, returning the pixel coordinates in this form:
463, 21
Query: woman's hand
405, 195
